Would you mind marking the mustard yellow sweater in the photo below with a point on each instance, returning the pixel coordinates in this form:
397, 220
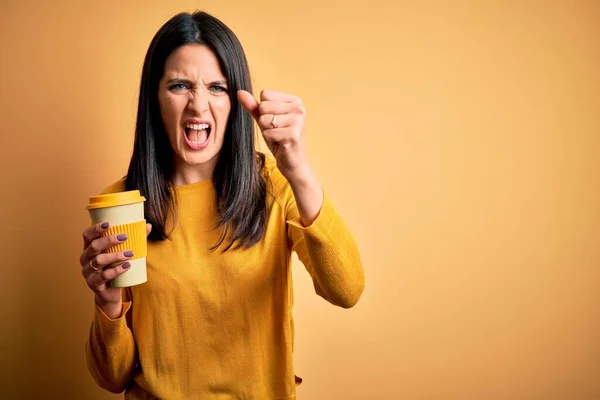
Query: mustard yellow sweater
213, 325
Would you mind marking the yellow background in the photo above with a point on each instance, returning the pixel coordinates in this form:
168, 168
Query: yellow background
459, 139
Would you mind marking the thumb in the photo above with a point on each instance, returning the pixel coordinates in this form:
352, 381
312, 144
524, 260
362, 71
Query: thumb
249, 103
148, 229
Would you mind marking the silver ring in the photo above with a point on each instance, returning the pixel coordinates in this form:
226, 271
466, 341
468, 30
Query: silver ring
94, 268
274, 121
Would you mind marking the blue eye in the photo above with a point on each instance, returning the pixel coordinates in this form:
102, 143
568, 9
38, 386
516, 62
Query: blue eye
219, 89
178, 86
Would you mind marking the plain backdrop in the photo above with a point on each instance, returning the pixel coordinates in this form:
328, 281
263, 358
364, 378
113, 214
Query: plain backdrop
459, 140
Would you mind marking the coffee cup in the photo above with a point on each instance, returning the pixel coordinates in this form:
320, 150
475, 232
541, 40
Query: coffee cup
124, 211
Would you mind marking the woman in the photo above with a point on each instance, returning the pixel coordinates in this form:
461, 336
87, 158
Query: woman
214, 319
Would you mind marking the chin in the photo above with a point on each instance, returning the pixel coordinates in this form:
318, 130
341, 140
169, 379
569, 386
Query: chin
195, 157
199, 158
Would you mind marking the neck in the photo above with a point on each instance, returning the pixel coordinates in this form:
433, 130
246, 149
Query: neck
186, 174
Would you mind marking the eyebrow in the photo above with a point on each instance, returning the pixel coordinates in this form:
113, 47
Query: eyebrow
180, 80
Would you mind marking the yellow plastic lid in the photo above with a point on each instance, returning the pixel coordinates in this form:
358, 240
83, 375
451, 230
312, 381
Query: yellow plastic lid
115, 199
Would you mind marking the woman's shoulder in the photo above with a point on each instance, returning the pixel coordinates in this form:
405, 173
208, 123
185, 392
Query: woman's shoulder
277, 186
115, 187
270, 165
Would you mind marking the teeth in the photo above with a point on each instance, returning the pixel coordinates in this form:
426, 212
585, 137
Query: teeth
197, 127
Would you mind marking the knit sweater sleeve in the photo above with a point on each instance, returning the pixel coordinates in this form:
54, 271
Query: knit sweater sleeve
326, 248
111, 350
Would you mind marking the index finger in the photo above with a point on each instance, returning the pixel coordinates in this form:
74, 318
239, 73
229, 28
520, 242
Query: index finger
275, 95
94, 232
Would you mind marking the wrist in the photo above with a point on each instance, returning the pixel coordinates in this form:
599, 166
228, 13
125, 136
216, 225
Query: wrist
112, 310
299, 177
308, 194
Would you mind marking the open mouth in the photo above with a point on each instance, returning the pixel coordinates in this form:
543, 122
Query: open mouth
197, 135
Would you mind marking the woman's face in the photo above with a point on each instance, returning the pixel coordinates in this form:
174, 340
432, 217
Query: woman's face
194, 106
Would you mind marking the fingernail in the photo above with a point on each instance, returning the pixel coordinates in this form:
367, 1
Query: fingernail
128, 253
122, 237
126, 265
104, 225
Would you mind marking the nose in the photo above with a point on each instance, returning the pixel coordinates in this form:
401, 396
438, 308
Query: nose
198, 101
